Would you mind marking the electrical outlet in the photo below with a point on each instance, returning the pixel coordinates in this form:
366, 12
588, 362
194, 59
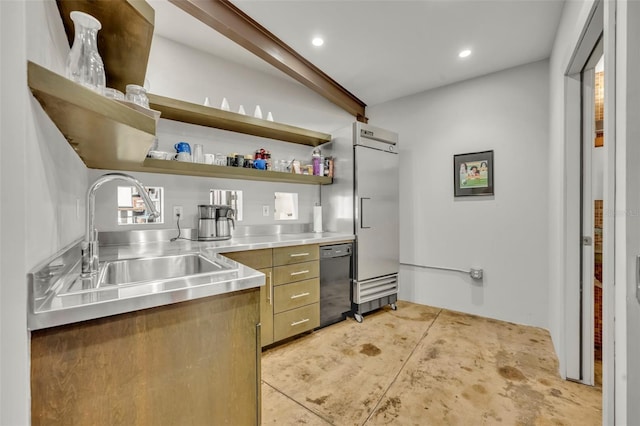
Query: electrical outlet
177, 212
265, 210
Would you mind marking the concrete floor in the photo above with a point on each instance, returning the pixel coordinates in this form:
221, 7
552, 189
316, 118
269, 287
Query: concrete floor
422, 366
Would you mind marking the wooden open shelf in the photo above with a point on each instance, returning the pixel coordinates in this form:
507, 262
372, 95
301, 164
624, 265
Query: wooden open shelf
124, 41
105, 133
225, 172
187, 112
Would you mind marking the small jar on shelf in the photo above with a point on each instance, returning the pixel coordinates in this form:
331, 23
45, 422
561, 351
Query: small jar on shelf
138, 95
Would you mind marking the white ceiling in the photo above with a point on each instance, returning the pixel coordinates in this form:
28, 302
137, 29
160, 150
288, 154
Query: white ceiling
382, 50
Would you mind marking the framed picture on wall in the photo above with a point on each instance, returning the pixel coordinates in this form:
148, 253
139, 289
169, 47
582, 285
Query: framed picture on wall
473, 174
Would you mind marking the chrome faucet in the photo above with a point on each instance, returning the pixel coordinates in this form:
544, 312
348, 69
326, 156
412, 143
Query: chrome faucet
90, 244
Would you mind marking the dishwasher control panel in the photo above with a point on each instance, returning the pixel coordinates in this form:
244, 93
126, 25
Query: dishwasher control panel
336, 250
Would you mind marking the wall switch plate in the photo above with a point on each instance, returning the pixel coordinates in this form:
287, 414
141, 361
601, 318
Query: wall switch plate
265, 210
177, 211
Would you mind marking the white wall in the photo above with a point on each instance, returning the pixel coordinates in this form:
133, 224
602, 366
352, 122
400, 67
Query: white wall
188, 191
13, 336
41, 179
181, 72
505, 234
290, 103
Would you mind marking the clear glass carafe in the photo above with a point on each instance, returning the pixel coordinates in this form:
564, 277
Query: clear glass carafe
84, 64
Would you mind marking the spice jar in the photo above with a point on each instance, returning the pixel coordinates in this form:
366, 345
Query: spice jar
239, 160
267, 157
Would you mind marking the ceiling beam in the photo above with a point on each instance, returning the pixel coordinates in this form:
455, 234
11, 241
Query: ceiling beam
228, 20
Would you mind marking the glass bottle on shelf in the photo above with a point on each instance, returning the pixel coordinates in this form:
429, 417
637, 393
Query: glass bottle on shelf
84, 64
316, 159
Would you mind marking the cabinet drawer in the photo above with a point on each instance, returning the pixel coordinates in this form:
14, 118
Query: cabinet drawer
296, 321
295, 254
294, 295
256, 259
297, 272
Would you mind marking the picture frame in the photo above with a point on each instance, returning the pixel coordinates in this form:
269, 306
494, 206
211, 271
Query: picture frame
473, 174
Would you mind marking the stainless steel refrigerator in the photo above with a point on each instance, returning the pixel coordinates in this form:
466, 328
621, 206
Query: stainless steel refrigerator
363, 200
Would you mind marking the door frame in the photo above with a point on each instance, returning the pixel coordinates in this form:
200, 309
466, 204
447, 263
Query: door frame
601, 22
587, 305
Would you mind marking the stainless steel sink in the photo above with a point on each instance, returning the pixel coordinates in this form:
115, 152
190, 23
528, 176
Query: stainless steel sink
129, 271
130, 278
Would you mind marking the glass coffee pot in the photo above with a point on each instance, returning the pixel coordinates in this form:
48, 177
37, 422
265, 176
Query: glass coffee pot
84, 64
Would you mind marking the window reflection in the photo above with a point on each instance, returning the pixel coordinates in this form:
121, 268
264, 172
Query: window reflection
132, 209
286, 206
226, 197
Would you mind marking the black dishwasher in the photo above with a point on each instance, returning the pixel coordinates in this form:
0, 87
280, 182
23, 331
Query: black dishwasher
335, 283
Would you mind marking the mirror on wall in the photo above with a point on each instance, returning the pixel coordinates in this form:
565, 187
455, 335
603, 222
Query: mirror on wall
226, 197
286, 206
132, 209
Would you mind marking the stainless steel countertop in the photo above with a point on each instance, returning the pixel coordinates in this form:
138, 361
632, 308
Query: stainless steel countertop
123, 251
50, 306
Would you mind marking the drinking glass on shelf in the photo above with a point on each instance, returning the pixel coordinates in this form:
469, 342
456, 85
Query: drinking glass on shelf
137, 95
112, 93
220, 159
198, 153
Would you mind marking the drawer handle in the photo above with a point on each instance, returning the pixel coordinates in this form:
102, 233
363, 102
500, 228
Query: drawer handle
299, 322
295, 296
306, 271
298, 254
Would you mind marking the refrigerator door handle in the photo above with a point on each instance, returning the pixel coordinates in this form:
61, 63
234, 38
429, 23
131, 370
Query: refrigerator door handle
362, 225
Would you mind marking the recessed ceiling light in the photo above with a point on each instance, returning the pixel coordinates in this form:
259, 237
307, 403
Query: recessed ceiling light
464, 53
317, 41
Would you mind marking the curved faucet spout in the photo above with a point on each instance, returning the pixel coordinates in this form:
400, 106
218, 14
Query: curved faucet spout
90, 243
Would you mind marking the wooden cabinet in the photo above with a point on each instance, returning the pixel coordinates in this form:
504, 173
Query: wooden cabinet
290, 299
296, 321
296, 272
260, 260
295, 254
266, 308
195, 362
256, 259
295, 295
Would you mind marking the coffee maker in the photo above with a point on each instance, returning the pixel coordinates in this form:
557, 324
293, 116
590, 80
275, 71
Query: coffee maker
213, 224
